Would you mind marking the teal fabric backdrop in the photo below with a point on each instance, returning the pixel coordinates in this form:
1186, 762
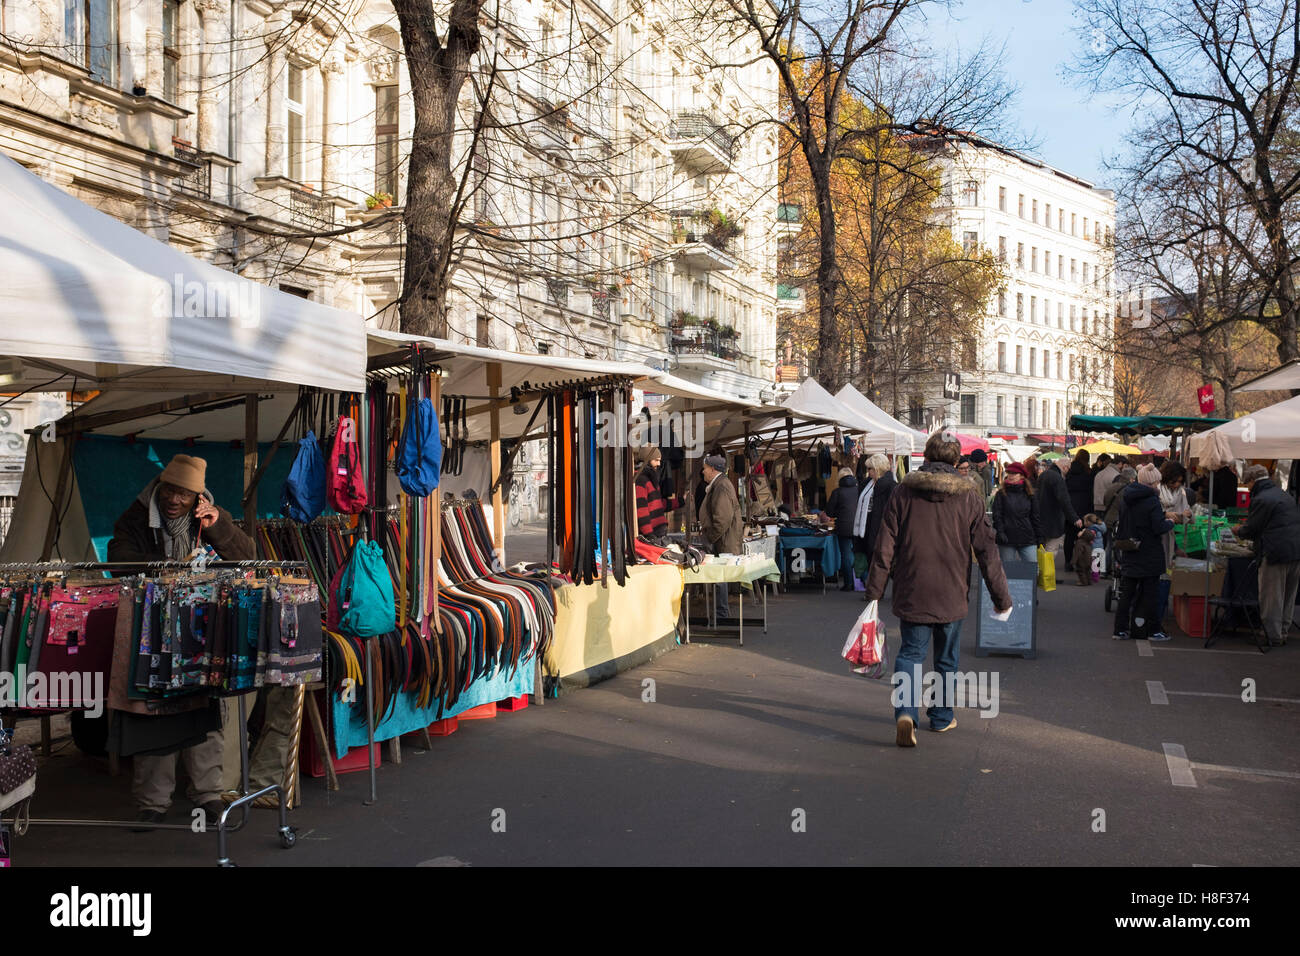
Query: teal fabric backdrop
112, 471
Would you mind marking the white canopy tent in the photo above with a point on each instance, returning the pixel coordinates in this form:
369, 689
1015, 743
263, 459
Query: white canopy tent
812, 401
89, 300
1272, 432
890, 435
1281, 378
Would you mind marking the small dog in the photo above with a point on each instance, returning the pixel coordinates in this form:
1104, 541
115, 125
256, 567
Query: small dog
1083, 556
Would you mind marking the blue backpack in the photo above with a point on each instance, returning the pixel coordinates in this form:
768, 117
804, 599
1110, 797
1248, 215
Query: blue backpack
303, 497
365, 593
419, 456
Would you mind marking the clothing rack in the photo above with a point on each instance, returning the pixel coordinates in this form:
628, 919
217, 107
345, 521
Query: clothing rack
287, 834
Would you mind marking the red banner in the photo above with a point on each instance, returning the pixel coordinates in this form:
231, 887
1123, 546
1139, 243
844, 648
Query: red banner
1206, 396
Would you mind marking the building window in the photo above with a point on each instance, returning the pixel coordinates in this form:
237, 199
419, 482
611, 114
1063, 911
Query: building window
1058, 365
1020, 255
1002, 411
1074, 224
1060, 220
1060, 267
386, 139
1060, 416
970, 241
1002, 356
1002, 304
1086, 233
90, 27
1074, 270
482, 323
916, 412
1033, 259
1047, 215
1022, 206
171, 49
1033, 309
1072, 378
1030, 403
1047, 263
970, 194
1047, 363
1034, 207
1017, 410
1074, 318
1020, 307
1002, 198
1020, 360
968, 409
1060, 315
1085, 273
295, 105
1033, 360
1002, 249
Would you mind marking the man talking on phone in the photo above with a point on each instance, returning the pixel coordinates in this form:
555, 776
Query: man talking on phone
172, 519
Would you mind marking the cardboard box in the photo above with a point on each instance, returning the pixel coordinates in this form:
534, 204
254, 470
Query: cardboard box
1193, 583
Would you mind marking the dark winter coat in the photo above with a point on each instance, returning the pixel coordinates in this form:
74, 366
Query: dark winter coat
651, 515
1079, 485
1015, 519
134, 540
933, 521
1143, 520
1273, 523
885, 486
843, 506
720, 517
1053, 500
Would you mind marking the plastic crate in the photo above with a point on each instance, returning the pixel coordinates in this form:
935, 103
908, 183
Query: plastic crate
445, 727
1189, 612
513, 703
481, 712
354, 762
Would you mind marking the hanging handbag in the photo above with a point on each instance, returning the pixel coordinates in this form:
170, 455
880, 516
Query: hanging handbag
346, 485
368, 607
303, 497
419, 456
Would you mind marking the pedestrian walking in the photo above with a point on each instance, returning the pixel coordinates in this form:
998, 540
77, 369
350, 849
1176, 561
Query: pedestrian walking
1054, 508
934, 520
871, 509
1142, 526
1079, 484
1273, 523
1015, 517
843, 507
720, 521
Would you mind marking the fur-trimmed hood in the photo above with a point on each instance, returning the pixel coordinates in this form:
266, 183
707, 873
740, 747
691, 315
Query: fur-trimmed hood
936, 481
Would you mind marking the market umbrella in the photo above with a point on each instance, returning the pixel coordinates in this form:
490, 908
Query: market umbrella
1051, 456
1108, 447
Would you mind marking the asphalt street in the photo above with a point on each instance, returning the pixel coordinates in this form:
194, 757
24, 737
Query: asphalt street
775, 753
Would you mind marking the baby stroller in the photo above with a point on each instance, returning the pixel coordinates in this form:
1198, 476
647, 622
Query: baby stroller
1114, 558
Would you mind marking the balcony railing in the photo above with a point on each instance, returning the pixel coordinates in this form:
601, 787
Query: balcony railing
309, 210
690, 225
558, 290
199, 182
698, 126
701, 340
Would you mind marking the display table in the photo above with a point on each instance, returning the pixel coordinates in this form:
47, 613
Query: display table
601, 631
822, 549
711, 575
763, 546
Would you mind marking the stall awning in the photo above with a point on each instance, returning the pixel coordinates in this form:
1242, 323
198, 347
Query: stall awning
1272, 432
890, 435
814, 402
89, 299
1141, 424
1281, 378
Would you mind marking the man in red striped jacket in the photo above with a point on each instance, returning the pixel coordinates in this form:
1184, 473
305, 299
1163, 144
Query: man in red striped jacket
651, 515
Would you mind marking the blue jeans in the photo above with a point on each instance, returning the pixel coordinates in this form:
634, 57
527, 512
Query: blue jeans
846, 562
911, 658
1162, 603
1027, 553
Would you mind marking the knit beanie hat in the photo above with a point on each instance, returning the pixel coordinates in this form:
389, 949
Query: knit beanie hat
716, 462
1149, 475
649, 454
979, 456
185, 471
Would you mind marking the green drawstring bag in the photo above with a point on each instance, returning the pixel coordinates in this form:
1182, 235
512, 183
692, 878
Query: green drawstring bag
365, 593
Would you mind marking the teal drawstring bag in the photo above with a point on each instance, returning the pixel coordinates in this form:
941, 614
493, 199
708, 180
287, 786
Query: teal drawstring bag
365, 593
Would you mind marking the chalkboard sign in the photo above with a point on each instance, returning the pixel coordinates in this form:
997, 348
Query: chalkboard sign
1019, 635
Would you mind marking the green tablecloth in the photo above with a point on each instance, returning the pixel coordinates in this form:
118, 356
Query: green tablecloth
733, 573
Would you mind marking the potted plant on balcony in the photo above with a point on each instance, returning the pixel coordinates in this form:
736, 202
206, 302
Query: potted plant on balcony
684, 320
721, 229
679, 233
379, 200
730, 333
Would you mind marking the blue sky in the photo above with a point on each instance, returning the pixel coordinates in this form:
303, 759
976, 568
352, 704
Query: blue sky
1070, 128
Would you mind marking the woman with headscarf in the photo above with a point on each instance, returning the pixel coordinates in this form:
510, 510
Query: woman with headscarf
1015, 518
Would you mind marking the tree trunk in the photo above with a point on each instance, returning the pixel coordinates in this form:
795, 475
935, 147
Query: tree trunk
829, 359
437, 71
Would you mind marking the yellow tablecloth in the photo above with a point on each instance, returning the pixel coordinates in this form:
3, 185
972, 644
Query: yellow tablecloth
600, 631
733, 573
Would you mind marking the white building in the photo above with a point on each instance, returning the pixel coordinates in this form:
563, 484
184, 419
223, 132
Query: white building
623, 204
1047, 344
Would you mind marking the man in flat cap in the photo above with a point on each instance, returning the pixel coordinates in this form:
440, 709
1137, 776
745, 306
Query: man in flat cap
720, 521
170, 520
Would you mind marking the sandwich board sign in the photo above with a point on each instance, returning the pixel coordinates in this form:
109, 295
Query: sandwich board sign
1018, 634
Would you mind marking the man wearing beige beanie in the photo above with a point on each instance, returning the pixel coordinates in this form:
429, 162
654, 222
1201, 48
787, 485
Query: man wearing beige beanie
171, 519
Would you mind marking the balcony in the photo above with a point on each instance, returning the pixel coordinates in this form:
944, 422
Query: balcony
199, 182
700, 143
702, 346
705, 241
310, 211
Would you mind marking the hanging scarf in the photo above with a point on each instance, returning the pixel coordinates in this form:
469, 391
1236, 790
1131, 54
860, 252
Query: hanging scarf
864, 509
180, 534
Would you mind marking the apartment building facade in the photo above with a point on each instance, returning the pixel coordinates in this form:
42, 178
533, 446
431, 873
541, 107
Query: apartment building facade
618, 201
1048, 339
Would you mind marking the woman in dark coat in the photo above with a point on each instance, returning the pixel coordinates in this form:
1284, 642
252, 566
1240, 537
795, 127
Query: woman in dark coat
1015, 519
871, 508
1142, 521
1078, 486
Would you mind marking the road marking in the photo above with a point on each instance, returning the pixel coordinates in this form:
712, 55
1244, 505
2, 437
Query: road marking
1247, 771
1180, 768
1206, 693
1209, 650
1144, 648
1156, 691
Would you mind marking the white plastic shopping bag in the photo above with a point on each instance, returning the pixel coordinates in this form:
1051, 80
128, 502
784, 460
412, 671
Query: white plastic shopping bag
865, 647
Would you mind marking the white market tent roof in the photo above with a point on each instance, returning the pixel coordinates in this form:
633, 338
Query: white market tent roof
88, 298
812, 401
1283, 377
1272, 432
892, 435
